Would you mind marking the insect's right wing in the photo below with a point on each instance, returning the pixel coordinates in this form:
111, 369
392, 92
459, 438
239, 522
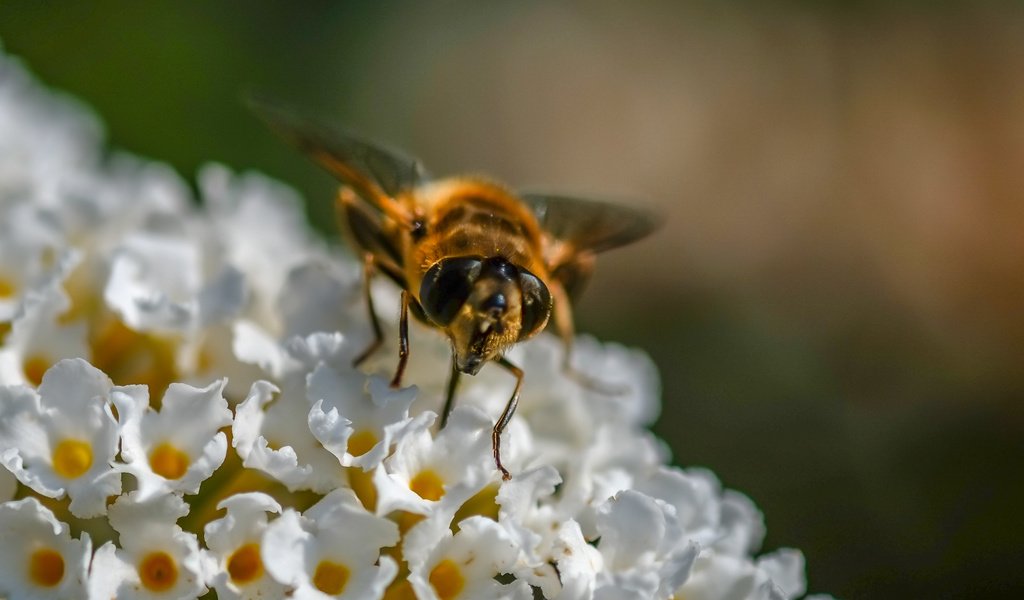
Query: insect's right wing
579, 228
377, 174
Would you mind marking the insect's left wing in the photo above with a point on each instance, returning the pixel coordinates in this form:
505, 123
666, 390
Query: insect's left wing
377, 174
580, 228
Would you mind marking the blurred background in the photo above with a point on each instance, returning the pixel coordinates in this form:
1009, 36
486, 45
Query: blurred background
836, 299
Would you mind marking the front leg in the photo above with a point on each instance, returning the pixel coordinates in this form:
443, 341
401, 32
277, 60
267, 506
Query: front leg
506, 416
453, 384
403, 341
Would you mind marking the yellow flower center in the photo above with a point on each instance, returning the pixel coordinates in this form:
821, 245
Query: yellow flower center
406, 520
35, 367
168, 462
361, 442
447, 580
361, 483
484, 503
8, 289
46, 567
331, 577
400, 590
129, 356
158, 572
245, 565
428, 485
72, 458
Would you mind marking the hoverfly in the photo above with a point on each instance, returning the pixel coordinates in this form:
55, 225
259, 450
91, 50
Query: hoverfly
486, 265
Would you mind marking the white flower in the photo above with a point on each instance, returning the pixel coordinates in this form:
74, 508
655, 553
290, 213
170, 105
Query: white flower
555, 556
240, 207
38, 556
331, 551
726, 521
156, 559
356, 418
29, 242
38, 337
786, 568
271, 434
177, 448
578, 563
157, 284
428, 474
63, 437
235, 543
645, 555
464, 565
319, 295
777, 576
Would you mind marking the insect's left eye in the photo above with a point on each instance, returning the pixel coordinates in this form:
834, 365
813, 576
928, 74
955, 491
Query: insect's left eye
446, 287
536, 303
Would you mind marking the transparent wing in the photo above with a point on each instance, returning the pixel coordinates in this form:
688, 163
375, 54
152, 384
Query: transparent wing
365, 166
590, 225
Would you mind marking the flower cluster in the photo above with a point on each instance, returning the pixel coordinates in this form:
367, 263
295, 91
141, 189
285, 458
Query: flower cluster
179, 413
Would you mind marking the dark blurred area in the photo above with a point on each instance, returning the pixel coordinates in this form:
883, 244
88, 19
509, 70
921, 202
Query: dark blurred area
836, 300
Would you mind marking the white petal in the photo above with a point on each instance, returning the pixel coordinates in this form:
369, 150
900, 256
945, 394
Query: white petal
245, 430
316, 297
786, 568
148, 526
222, 298
246, 516
73, 385
578, 563
153, 283
187, 422
286, 419
345, 527
284, 549
253, 345
244, 523
34, 527
111, 575
341, 406
34, 425
632, 526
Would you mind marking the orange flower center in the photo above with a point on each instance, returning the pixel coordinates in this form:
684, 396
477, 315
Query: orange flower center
361, 442
46, 567
168, 462
158, 572
428, 485
447, 580
72, 458
245, 564
331, 577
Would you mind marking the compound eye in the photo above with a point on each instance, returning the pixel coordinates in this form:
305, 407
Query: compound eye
446, 286
536, 303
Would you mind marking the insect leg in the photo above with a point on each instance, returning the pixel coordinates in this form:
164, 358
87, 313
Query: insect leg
378, 335
506, 415
453, 384
562, 314
403, 341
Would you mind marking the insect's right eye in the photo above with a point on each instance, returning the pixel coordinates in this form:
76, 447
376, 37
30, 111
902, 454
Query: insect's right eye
446, 286
536, 304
